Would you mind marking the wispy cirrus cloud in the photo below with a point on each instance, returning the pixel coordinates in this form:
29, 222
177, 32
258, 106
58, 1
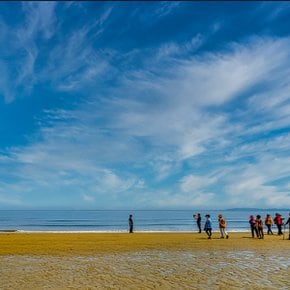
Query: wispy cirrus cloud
273, 12
40, 19
166, 8
72, 64
179, 95
256, 184
20, 43
173, 49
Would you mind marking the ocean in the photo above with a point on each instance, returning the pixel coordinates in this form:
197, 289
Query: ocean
117, 220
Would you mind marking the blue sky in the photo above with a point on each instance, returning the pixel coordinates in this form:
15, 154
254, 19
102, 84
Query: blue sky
135, 105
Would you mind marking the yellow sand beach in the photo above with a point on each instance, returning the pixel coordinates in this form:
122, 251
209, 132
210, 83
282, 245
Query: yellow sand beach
142, 261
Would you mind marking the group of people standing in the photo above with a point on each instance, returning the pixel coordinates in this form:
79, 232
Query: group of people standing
208, 225
256, 225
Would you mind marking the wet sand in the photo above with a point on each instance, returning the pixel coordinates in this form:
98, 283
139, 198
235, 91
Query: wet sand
142, 261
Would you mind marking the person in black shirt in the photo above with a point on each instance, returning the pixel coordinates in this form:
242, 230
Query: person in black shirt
198, 221
130, 222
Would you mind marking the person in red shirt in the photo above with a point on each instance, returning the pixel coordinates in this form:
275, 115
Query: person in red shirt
278, 220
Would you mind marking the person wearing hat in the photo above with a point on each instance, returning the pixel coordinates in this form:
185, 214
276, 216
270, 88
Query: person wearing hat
269, 223
222, 226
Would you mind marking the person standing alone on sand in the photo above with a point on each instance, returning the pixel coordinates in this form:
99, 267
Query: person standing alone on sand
198, 221
207, 226
131, 224
222, 226
269, 223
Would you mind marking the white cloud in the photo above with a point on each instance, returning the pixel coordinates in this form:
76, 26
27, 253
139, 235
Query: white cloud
153, 122
181, 90
173, 49
20, 44
271, 11
74, 64
40, 19
275, 146
167, 199
165, 8
255, 185
113, 184
88, 198
192, 183
163, 168
105, 16
70, 63
217, 78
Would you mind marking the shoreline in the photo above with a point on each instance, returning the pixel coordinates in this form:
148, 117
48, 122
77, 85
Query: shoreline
234, 231
108, 232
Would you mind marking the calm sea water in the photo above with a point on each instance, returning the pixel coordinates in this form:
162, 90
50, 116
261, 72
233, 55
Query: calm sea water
117, 220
